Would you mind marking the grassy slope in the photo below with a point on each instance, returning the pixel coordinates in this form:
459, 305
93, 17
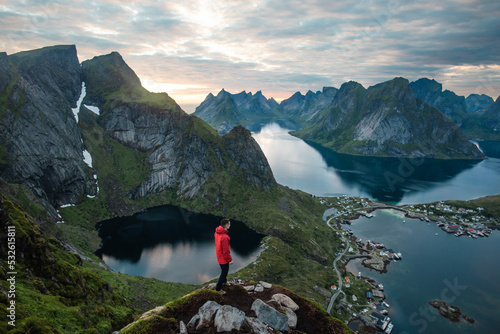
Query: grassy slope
52, 285
491, 205
296, 254
299, 245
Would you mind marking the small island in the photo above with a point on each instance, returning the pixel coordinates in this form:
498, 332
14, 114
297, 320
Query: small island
450, 312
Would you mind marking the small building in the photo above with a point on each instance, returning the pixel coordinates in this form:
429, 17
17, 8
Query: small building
378, 293
380, 320
347, 282
369, 295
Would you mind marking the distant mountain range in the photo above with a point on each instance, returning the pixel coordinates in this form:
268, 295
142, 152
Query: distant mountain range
226, 110
476, 117
387, 120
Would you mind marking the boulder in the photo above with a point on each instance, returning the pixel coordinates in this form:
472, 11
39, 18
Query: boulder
183, 328
286, 301
259, 288
266, 285
270, 315
292, 317
228, 318
258, 326
205, 315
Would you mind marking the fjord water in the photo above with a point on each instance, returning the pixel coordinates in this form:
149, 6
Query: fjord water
171, 244
323, 172
460, 270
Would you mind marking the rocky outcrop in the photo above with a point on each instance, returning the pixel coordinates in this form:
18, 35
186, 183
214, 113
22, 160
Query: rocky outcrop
269, 315
387, 120
260, 317
248, 157
452, 313
40, 142
226, 110
245, 307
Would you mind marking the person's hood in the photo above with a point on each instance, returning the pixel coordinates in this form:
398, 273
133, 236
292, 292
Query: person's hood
220, 230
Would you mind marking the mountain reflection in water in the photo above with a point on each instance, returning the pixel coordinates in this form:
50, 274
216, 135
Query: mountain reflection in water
389, 179
172, 244
315, 169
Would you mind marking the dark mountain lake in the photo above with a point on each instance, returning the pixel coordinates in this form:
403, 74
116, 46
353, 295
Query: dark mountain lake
171, 244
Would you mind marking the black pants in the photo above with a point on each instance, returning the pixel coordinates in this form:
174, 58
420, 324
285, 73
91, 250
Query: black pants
223, 276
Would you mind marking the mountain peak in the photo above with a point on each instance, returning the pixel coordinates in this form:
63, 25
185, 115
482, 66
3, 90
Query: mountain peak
387, 120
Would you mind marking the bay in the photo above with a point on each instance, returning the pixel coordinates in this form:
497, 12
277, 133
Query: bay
320, 171
462, 271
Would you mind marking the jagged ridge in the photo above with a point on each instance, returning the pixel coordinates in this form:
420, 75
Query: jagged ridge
387, 120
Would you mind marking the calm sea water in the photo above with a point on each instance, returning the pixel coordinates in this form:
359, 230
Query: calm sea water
172, 245
463, 271
322, 172
460, 270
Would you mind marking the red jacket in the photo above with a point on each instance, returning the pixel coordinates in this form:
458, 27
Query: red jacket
222, 247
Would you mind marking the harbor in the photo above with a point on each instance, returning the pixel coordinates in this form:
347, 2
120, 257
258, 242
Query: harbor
366, 306
429, 268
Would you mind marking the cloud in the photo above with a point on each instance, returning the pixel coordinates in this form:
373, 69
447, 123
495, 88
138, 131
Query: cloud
196, 47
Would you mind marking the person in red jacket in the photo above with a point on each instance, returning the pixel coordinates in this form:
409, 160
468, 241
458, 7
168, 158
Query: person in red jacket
223, 251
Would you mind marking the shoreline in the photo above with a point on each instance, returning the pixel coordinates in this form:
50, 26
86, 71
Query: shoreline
375, 258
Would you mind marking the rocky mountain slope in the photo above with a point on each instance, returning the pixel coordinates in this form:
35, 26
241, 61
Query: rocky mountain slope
478, 103
466, 112
387, 120
182, 150
303, 108
485, 125
51, 291
245, 308
145, 151
450, 104
40, 142
226, 110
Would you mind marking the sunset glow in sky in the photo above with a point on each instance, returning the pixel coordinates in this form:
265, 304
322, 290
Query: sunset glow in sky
192, 48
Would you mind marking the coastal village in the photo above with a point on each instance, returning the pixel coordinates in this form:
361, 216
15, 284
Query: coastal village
363, 306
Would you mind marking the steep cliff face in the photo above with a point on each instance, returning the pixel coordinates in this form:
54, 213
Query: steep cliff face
226, 110
387, 120
248, 157
146, 143
182, 150
40, 143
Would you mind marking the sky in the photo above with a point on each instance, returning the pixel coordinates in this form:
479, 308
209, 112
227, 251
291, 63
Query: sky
191, 48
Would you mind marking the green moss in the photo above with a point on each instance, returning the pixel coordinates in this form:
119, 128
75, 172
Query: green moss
52, 285
146, 293
152, 324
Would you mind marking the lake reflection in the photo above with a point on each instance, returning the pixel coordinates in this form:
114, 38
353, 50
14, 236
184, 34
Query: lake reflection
320, 171
172, 244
